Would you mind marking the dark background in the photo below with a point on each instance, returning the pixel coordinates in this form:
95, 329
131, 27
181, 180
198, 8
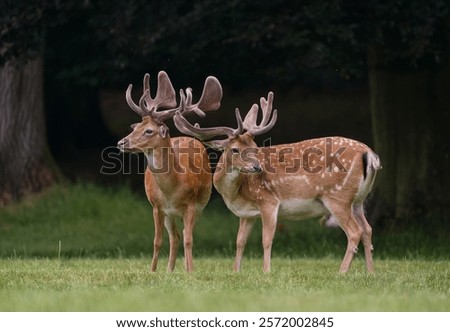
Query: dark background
376, 71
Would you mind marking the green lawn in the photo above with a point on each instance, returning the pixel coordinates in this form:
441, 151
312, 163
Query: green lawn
87, 248
294, 285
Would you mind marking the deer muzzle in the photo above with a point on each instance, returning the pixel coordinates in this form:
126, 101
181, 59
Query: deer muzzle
123, 144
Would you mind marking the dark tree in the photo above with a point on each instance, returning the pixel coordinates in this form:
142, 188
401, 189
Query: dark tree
24, 159
409, 79
25, 163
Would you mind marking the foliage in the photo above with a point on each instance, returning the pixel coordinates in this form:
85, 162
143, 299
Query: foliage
294, 285
23, 24
273, 40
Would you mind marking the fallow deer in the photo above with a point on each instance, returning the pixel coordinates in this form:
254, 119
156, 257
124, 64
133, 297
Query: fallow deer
178, 178
329, 176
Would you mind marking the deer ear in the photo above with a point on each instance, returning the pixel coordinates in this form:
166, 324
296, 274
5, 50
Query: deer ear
163, 131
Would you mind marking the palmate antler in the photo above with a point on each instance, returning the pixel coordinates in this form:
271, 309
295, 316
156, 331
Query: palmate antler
164, 105
249, 124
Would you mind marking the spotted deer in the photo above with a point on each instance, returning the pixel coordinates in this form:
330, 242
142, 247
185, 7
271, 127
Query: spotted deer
178, 178
329, 176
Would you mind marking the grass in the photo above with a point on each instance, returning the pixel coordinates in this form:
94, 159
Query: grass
87, 248
85, 220
294, 285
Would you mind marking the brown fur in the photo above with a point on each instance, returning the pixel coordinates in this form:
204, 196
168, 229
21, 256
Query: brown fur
178, 183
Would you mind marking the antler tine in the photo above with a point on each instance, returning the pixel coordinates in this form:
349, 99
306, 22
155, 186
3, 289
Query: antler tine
143, 103
146, 90
240, 128
251, 117
266, 107
132, 104
211, 95
165, 97
259, 130
203, 134
267, 122
209, 100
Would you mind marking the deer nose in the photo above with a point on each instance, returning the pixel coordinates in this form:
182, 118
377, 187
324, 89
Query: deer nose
257, 168
122, 143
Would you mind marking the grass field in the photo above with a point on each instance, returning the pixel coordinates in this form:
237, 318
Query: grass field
294, 285
85, 248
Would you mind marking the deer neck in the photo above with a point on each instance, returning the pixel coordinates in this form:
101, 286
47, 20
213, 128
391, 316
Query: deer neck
161, 162
228, 181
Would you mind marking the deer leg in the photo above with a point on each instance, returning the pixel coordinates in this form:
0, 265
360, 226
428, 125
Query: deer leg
188, 220
245, 227
158, 219
366, 236
174, 239
353, 230
269, 224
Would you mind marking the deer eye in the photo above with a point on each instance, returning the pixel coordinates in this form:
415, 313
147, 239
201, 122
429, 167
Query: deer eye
149, 131
234, 150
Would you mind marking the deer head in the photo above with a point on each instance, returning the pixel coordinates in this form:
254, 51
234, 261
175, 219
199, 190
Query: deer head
152, 131
239, 148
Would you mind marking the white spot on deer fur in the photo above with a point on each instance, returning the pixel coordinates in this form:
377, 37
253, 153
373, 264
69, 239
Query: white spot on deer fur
338, 187
322, 175
351, 143
335, 169
322, 158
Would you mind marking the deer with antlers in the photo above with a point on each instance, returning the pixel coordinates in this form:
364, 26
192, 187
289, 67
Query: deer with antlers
328, 177
178, 178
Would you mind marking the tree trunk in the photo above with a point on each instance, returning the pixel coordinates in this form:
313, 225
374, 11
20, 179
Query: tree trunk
26, 165
408, 113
